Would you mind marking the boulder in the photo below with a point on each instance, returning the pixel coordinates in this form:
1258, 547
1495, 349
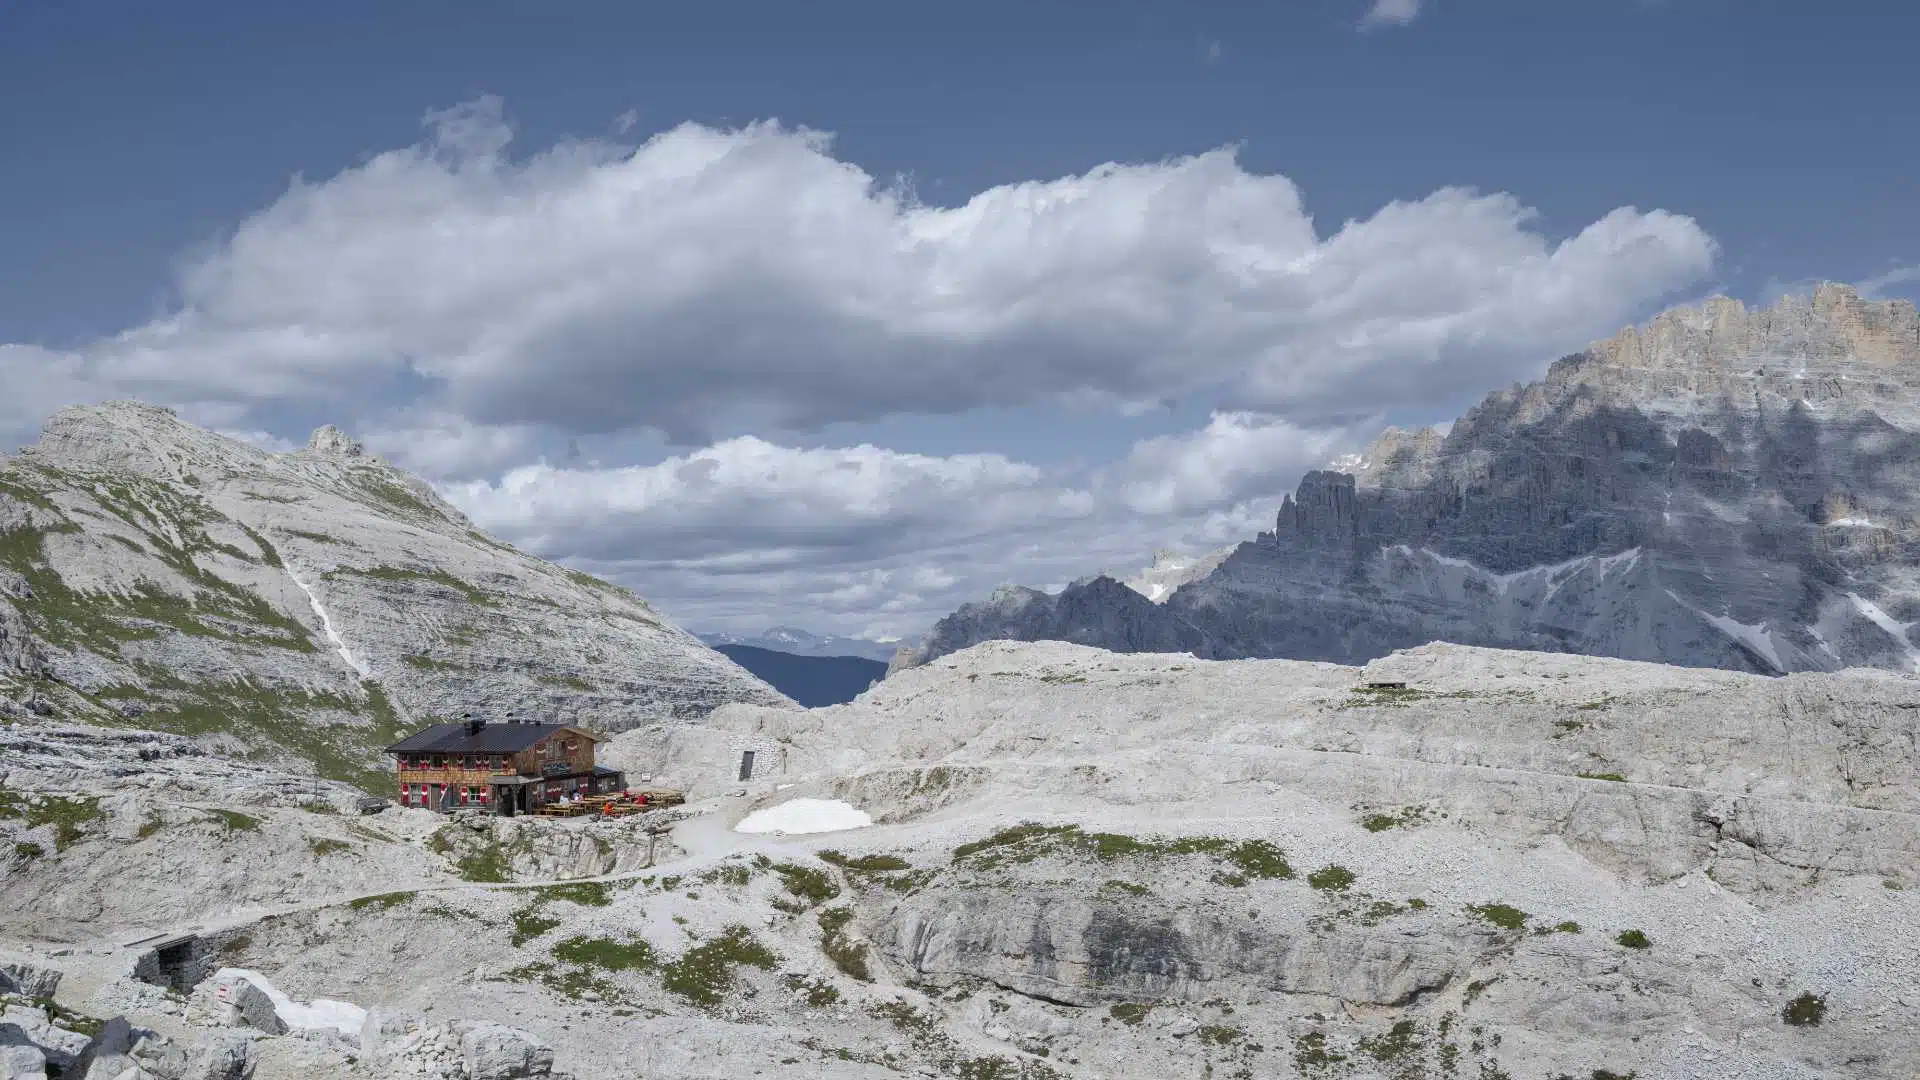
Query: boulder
20, 1060
384, 1029
255, 1008
28, 980
496, 1052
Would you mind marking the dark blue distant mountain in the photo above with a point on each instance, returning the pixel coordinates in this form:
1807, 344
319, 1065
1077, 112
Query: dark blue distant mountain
812, 681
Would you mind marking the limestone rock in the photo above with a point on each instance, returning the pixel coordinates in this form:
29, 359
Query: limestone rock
28, 980
1724, 487
255, 1008
20, 1059
497, 1052
305, 608
328, 439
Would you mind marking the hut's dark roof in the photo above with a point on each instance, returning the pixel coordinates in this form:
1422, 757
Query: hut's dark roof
491, 739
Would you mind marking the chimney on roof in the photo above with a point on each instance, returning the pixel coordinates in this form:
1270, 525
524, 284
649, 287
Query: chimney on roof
474, 724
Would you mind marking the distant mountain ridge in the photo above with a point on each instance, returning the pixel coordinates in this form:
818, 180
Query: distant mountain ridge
303, 608
1724, 487
798, 642
813, 681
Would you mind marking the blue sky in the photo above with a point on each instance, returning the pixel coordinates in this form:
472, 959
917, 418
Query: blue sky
152, 248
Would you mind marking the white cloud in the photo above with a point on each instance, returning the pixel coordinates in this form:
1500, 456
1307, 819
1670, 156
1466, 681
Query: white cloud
468, 309
777, 505
1237, 456
863, 539
715, 282
448, 446
1390, 13
1875, 287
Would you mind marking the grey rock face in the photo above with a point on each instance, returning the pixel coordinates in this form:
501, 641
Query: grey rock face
256, 1009
497, 1052
1725, 487
1080, 947
304, 608
28, 980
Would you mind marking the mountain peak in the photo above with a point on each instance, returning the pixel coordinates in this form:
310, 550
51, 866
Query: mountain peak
1831, 328
328, 439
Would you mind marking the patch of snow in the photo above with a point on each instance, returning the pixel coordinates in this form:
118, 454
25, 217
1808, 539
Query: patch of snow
326, 625
805, 816
1853, 522
1878, 617
316, 1015
1554, 575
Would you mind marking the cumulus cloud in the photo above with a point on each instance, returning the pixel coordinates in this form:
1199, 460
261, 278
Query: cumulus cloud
714, 282
777, 505
468, 308
1390, 13
1237, 456
871, 540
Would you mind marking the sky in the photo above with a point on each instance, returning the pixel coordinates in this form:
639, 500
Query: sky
840, 315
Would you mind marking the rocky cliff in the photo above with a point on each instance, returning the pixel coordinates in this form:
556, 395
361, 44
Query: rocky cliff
304, 608
1724, 487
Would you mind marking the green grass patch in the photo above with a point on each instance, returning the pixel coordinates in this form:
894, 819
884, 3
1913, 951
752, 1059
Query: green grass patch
234, 820
1399, 1042
705, 973
1130, 1013
1504, 916
382, 902
865, 864
1807, 1010
1029, 841
1613, 776
583, 893
1405, 818
479, 858
27, 849
322, 846
1331, 879
529, 923
436, 576
817, 993
567, 682
1219, 1035
808, 886
607, 954
70, 817
1633, 939
388, 493
850, 957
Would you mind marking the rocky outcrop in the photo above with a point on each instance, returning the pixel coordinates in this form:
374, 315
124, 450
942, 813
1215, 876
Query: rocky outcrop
1724, 487
306, 607
1082, 948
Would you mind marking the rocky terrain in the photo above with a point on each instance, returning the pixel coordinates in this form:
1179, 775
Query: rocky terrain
1723, 487
1455, 862
304, 608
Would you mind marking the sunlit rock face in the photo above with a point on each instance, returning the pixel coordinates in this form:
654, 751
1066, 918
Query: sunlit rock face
1725, 487
305, 607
